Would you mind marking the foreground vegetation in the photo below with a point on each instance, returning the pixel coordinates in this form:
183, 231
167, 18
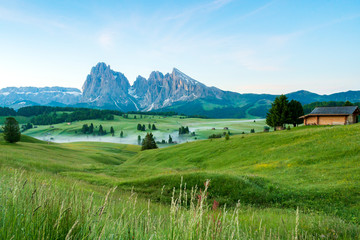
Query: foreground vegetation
258, 183
40, 206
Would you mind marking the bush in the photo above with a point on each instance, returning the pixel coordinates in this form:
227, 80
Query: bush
215, 136
227, 136
252, 131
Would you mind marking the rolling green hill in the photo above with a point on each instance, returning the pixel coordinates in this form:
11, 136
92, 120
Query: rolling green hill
313, 168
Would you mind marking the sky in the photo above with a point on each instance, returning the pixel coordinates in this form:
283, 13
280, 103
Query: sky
276, 47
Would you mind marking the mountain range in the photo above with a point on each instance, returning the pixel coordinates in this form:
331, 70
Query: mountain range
105, 88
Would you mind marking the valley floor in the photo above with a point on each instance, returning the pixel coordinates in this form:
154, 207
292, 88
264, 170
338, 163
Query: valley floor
166, 126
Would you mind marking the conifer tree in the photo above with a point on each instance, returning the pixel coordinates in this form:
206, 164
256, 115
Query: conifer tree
101, 130
296, 111
85, 129
279, 113
148, 142
121, 134
11, 130
153, 127
91, 128
112, 131
170, 139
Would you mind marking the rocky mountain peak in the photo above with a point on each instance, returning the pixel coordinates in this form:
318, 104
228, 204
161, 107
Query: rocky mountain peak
104, 86
156, 75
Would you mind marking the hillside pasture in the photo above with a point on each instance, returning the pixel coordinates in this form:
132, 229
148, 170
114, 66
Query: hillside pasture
203, 128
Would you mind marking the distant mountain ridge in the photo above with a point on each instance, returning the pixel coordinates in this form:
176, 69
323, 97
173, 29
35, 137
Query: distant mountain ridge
107, 89
27, 96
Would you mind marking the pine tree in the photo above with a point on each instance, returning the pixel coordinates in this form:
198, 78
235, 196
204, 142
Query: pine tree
121, 134
153, 127
11, 130
91, 128
348, 103
139, 127
149, 126
143, 127
148, 142
187, 130
170, 139
85, 129
279, 113
139, 140
112, 131
101, 130
296, 111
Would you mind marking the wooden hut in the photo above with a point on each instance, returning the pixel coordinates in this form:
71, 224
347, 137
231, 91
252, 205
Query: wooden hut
332, 116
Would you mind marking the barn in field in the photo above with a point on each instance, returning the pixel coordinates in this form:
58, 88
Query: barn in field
332, 116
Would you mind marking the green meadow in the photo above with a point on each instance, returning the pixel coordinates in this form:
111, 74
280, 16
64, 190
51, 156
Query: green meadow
166, 126
301, 183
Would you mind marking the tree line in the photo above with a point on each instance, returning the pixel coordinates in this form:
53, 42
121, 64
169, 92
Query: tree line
77, 115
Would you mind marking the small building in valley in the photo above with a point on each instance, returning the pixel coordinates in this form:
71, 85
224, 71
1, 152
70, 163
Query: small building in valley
332, 116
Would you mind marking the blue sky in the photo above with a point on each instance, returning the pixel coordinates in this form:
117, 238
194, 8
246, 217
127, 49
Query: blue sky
244, 46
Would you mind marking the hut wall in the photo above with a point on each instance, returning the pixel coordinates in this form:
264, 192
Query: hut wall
332, 120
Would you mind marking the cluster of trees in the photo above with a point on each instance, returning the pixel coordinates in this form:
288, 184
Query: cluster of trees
163, 141
184, 130
143, 128
284, 112
219, 135
5, 111
39, 110
26, 126
154, 113
90, 129
148, 142
77, 115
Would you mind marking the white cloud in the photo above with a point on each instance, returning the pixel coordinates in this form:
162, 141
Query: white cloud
106, 39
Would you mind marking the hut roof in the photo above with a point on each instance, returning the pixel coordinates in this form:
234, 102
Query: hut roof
342, 111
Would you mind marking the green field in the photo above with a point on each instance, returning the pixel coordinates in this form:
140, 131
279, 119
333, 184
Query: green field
259, 180
166, 126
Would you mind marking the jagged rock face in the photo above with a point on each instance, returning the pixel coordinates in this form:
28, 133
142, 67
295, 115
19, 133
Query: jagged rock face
163, 90
41, 96
105, 87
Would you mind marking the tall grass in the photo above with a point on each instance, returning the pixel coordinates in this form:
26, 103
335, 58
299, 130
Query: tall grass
34, 206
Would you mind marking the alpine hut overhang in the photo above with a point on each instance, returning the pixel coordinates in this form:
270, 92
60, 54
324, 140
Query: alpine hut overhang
332, 116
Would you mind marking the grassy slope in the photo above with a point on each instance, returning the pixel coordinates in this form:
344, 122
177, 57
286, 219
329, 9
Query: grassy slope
310, 167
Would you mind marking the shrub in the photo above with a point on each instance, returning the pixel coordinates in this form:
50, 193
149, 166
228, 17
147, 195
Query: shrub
227, 136
215, 136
